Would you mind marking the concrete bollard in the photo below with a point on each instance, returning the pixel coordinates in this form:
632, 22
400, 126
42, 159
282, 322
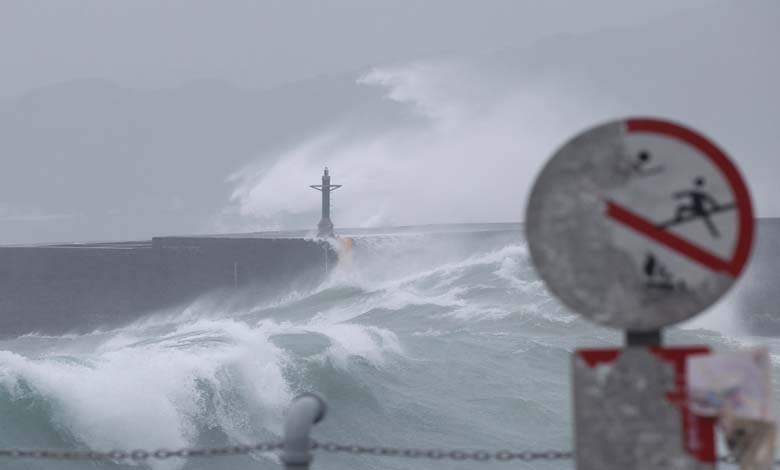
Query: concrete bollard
305, 411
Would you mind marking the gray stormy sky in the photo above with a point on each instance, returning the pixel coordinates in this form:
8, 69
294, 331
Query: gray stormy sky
131, 119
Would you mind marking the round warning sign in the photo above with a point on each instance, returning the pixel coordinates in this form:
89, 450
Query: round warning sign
639, 223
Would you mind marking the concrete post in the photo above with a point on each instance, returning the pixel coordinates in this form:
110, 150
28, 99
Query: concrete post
305, 411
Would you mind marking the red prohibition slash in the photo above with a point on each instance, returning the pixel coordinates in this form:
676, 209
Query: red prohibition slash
669, 239
663, 236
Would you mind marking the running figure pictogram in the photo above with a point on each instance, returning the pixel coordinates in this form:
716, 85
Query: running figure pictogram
697, 204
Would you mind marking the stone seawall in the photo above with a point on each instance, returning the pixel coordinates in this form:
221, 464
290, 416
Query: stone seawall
61, 288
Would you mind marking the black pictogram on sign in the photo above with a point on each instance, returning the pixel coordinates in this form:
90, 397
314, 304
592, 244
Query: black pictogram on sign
639, 223
693, 204
697, 204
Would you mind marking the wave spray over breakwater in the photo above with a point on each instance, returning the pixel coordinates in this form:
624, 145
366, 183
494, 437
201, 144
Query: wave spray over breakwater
428, 338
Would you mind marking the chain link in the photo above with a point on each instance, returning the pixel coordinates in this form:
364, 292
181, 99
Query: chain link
473, 455
439, 454
139, 454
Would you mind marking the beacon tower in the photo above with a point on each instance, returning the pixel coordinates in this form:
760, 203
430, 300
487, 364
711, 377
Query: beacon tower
325, 227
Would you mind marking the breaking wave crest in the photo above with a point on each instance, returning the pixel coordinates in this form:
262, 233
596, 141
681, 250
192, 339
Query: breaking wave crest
423, 339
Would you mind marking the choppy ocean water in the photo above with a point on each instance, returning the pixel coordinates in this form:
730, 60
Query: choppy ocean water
427, 338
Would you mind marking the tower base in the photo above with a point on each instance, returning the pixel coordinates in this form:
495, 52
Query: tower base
325, 229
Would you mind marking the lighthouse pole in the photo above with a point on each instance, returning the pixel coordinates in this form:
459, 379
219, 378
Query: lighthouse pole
325, 227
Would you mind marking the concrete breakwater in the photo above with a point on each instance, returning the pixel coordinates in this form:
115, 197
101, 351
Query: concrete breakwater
54, 289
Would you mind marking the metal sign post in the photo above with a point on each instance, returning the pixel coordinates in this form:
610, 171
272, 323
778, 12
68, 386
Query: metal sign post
638, 224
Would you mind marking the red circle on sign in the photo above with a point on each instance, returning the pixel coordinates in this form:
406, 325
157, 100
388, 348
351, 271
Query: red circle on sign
739, 257
602, 237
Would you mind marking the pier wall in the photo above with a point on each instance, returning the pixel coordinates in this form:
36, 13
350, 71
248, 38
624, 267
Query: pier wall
60, 288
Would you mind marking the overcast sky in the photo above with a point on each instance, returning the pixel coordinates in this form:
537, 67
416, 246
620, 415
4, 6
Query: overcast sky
131, 119
261, 43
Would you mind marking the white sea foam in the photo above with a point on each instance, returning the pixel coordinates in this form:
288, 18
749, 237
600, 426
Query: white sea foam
141, 393
226, 371
134, 390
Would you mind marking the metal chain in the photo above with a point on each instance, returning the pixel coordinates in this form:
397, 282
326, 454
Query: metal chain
139, 455
438, 454
475, 455
381, 451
